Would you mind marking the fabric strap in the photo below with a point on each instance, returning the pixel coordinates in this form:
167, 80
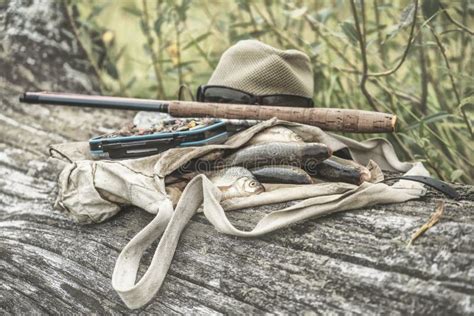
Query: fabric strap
201, 191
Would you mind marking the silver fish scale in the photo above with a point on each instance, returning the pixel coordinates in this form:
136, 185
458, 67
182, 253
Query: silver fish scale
228, 176
281, 174
269, 153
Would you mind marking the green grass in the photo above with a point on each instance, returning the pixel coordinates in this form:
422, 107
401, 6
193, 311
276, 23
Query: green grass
147, 48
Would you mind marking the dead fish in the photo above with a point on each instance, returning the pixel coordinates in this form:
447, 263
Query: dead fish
276, 153
236, 182
174, 194
281, 174
275, 134
177, 176
213, 155
331, 170
366, 173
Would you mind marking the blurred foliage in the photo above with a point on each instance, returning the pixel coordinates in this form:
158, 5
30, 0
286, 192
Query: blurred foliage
147, 48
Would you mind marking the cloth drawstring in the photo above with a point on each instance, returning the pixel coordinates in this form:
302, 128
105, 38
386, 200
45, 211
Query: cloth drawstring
201, 191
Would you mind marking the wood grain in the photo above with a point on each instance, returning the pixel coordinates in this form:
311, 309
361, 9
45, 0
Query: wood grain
353, 262
341, 120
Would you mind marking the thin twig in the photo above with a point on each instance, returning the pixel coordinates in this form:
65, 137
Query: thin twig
75, 31
178, 50
451, 77
361, 37
154, 58
435, 85
268, 8
335, 67
464, 42
123, 90
434, 219
376, 81
400, 94
423, 76
275, 30
451, 153
273, 21
450, 18
252, 19
382, 52
314, 25
407, 48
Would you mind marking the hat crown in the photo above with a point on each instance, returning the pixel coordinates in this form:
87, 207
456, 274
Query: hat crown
261, 69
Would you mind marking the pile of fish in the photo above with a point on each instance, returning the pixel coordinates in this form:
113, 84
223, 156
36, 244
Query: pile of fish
276, 155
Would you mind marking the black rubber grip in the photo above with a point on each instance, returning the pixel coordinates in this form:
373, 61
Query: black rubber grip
436, 184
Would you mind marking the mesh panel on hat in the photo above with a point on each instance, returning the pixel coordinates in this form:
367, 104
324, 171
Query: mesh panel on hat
260, 69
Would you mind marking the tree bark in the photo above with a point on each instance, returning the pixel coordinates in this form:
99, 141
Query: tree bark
353, 262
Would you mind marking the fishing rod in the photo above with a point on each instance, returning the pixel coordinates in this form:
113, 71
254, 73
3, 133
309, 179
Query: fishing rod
330, 119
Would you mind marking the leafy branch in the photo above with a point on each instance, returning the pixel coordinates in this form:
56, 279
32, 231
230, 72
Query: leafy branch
362, 45
89, 57
453, 83
407, 48
154, 57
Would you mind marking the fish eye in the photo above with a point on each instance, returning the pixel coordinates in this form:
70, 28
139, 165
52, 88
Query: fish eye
253, 183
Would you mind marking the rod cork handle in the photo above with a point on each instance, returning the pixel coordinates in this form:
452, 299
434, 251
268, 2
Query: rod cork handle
329, 119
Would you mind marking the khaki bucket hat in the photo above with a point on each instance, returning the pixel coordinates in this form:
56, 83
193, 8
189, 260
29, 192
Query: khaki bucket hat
260, 69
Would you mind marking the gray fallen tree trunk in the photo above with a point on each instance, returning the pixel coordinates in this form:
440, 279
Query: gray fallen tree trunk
356, 261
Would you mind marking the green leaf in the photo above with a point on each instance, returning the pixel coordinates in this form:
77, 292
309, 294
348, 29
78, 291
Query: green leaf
189, 62
111, 70
120, 53
202, 53
96, 10
350, 31
430, 119
183, 9
147, 49
323, 14
391, 31
157, 25
130, 83
430, 8
458, 173
384, 6
133, 11
258, 33
315, 48
243, 5
297, 13
196, 40
240, 24
143, 26
376, 29
406, 17
466, 101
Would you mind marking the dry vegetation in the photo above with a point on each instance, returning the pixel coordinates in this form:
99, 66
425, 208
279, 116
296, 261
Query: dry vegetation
412, 58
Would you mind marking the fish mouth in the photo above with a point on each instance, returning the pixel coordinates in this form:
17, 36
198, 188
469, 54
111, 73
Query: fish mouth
260, 189
253, 186
364, 176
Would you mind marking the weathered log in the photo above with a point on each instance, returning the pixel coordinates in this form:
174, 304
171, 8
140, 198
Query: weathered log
353, 262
